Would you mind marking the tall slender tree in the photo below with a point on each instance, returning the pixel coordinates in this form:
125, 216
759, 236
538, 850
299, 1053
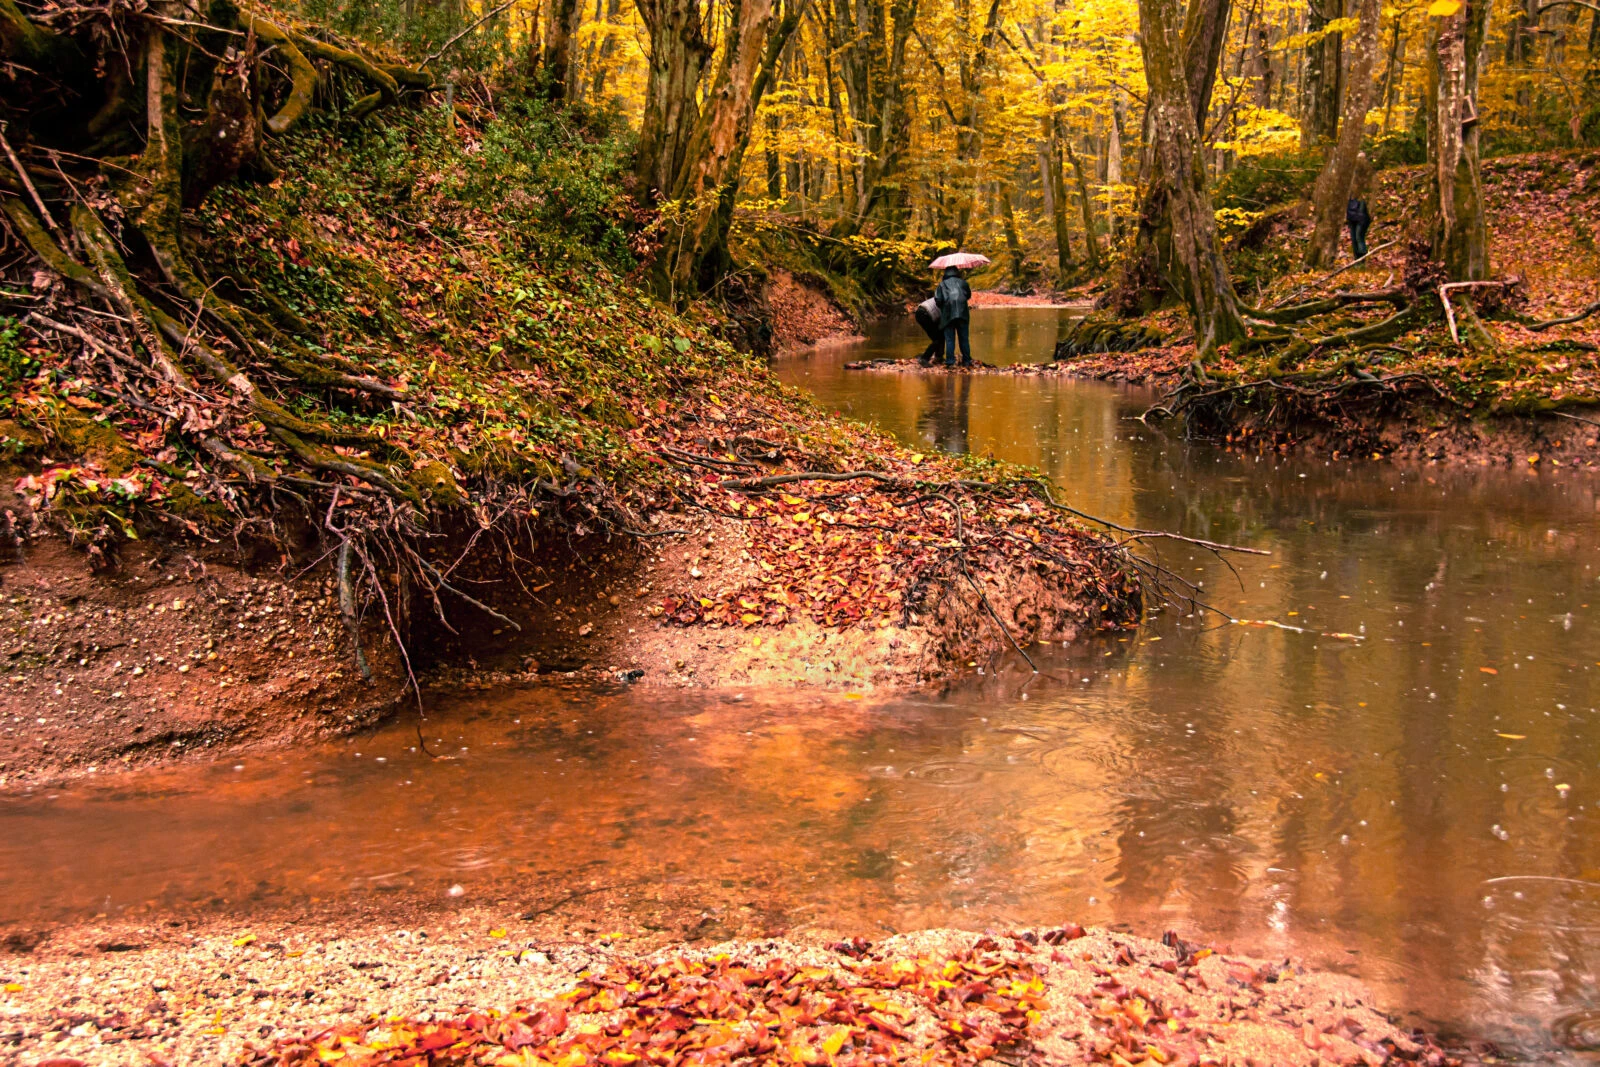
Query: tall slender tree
1334, 183
1460, 232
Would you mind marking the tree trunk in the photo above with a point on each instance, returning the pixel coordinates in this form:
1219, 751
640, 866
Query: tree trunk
1091, 244
1333, 184
1014, 251
679, 55
690, 155
872, 55
1319, 106
1146, 280
1197, 270
774, 161
1460, 232
1058, 198
1392, 72
608, 48
558, 38
969, 133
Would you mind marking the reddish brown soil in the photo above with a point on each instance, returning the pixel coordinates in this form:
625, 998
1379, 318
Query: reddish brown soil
171, 653
803, 316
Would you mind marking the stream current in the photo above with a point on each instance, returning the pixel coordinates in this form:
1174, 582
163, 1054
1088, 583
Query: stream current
1418, 805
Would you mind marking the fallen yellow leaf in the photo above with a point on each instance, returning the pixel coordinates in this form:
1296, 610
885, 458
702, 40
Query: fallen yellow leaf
499, 931
1488, 670
13, 987
241, 942
916, 457
852, 696
835, 1040
1513, 737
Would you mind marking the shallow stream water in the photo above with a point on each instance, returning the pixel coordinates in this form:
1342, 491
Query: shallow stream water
1416, 804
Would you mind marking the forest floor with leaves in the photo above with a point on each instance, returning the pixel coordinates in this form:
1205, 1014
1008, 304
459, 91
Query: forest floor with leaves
1517, 393
479, 985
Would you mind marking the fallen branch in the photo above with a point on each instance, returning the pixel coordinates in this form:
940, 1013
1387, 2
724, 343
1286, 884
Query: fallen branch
1330, 276
1566, 319
1449, 312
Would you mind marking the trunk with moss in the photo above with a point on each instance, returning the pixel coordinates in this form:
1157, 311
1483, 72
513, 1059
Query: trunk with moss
1148, 276
1460, 235
1197, 268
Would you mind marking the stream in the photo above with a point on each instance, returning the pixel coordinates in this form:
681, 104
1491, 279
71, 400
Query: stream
1416, 802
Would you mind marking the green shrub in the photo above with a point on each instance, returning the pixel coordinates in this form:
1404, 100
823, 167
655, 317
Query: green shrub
1260, 182
1401, 148
15, 364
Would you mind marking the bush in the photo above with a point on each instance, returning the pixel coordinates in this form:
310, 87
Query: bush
1260, 182
1402, 148
15, 364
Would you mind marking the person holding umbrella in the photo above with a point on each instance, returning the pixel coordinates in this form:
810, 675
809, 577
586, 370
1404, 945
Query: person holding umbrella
953, 297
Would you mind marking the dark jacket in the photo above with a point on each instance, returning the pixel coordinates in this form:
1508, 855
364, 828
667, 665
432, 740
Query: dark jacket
952, 297
1355, 211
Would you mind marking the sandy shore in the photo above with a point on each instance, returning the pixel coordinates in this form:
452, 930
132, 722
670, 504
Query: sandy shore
171, 993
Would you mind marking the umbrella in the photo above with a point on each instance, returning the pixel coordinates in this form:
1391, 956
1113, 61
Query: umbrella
960, 260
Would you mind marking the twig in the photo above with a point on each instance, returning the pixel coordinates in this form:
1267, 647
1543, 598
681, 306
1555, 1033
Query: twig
474, 601
1575, 418
747, 484
472, 26
1329, 277
27, 182
1137, 534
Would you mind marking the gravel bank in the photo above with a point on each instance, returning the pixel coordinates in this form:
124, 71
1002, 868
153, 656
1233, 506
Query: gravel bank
175, 994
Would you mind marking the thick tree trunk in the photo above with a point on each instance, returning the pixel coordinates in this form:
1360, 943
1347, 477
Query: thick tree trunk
679, 55
1333, 184
1460, 232
1198, 269
1146, 278
690, 154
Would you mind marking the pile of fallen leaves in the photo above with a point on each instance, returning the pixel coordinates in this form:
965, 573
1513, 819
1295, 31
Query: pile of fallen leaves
1062, 995
844, 528
963, 1009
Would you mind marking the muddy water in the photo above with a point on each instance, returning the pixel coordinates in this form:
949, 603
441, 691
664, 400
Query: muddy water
1417, 806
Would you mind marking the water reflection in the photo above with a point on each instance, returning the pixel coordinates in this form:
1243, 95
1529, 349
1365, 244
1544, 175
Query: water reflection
1387, 805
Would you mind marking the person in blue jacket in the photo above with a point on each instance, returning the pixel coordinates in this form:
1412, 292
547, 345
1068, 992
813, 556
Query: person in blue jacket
952, 296
1358, 218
